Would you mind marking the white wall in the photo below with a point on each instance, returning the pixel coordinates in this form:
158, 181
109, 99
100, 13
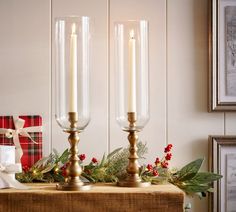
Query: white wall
178, 73
25, 60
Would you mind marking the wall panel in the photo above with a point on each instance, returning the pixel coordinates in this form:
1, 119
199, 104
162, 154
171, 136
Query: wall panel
230, 123
25, 60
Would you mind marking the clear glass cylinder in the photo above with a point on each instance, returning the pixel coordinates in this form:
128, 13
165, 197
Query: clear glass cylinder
72, 63
132, 73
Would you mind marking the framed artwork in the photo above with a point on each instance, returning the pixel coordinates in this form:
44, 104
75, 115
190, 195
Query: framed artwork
222, 160
222, 55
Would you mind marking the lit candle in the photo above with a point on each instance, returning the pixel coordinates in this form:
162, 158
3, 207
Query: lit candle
132, 74
73, 70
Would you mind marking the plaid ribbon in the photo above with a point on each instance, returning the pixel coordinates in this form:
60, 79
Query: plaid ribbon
19, 130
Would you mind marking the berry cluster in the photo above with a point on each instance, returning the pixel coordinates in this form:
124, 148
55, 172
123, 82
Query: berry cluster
160, 163
151, 170
64, 170
82, 157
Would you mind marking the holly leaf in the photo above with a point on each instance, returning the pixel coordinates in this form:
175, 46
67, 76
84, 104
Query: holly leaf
64, 157
205, 177
193, 188
190, 170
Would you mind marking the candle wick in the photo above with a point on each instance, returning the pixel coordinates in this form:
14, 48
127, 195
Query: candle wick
131, 34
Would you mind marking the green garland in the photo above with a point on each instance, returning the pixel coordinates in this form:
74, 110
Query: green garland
113, 167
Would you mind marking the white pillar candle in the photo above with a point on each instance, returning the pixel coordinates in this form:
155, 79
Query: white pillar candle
132, 74
73, 70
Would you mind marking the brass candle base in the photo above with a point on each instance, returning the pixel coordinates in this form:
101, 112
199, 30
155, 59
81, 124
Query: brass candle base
72, 187
133, 179
74, 170
127, 183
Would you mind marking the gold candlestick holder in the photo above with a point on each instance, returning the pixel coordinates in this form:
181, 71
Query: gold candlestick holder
74, 170
132, 179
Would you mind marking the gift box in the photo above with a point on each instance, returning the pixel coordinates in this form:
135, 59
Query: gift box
8, 168
7, 157
25, 133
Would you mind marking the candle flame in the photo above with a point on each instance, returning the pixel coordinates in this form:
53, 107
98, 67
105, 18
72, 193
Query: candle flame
73, 28
131, 34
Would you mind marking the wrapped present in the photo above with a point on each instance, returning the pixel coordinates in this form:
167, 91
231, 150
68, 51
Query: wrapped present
8, 168
25, 133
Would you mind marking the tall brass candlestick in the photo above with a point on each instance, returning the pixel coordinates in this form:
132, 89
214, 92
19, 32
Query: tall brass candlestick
74, 170
72, 65
132, 179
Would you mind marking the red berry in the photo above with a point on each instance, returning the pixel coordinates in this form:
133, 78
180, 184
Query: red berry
168, 148
94, 160
149, 167
64, 173
168, 156
157, 161
155, 173
82, 157
164, 164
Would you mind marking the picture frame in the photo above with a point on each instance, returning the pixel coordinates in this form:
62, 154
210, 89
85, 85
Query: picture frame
222, 55
222, 160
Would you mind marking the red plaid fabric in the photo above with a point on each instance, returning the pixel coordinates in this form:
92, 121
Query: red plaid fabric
31, 152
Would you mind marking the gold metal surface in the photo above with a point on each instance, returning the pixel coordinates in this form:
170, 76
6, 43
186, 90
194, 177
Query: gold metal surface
133, 179
73, 182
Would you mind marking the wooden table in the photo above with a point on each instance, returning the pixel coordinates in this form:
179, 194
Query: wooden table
102, 197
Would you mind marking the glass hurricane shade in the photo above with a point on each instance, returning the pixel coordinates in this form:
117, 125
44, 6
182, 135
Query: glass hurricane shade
72, 63
132, 73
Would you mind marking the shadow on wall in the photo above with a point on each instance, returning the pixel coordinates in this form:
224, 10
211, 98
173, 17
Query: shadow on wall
200, 28
196, 154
